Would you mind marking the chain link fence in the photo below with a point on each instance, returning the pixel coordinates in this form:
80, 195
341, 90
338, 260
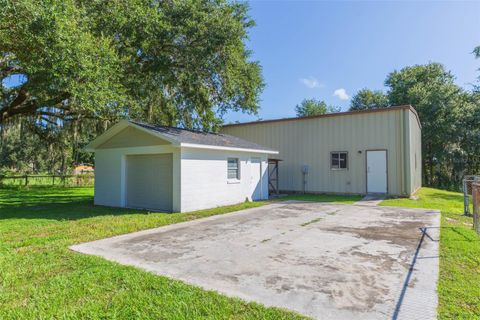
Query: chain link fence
467, 191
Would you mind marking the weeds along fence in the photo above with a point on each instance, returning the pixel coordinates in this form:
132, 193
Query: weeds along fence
81, 180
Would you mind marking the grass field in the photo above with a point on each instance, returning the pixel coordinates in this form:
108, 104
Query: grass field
459, 281
40, 278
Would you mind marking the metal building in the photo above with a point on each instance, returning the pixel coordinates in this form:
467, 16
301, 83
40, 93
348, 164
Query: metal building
359, 152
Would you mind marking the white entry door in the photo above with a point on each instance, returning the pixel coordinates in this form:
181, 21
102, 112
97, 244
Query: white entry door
377, 171
256, 178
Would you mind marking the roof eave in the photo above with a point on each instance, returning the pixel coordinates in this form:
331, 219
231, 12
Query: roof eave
328, 115
210, 147
93, 145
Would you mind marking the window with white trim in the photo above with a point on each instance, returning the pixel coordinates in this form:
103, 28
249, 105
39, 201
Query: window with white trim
339, 160
233, 169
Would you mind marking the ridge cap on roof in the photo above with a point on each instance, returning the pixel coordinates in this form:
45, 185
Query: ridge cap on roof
170, 127
221, 134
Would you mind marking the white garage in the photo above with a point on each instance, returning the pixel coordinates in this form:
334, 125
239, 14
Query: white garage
176, 170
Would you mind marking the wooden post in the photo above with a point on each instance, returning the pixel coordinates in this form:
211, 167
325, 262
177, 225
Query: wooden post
26, 180
466, 209
276, 180
476, 206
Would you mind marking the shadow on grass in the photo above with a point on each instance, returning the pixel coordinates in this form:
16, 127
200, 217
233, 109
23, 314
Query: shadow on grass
463, 233
30, 196
54, 203
447, 197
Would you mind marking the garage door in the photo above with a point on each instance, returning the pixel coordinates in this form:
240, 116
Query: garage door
149, 181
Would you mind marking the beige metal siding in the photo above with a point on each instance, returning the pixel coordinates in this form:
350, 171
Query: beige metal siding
131, 137
310, 141
149, 182
415, 153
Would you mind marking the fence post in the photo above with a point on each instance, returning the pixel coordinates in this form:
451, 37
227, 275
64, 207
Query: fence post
26, 180
466, 209
476, 206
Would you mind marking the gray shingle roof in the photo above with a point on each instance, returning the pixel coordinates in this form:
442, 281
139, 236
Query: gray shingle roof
204, 138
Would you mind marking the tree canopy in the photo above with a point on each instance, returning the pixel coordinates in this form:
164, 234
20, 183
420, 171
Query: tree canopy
168, 62
313, 107
369, 99
448, 113
71, 68
438, 101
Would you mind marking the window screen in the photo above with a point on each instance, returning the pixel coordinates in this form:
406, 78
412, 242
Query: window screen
233, 168
339, 160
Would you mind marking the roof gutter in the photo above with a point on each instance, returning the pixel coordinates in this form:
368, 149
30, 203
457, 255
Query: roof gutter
210, 147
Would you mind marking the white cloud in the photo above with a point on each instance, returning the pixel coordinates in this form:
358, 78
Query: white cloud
341, 94
311, 83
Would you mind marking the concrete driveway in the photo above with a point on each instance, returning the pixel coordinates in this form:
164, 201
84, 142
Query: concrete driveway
324, 260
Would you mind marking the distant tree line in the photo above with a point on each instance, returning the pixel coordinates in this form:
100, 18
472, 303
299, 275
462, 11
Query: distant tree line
314, 107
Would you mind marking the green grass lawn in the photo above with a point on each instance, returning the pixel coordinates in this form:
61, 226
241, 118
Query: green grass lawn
337, 198
459, 282
40, 278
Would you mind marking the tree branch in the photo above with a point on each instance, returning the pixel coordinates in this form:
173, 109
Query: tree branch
8, 70
25, 104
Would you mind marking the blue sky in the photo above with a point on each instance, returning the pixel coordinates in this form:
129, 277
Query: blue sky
311, 49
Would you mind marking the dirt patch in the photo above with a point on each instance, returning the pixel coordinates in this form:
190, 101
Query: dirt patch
405, 233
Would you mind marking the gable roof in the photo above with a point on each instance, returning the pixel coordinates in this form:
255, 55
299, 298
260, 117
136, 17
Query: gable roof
183, 138
335, 114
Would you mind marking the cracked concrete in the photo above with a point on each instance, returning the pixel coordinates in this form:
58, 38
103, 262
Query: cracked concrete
352, 262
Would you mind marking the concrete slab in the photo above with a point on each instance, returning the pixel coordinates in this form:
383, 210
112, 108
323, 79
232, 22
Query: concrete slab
327, 261
371, 200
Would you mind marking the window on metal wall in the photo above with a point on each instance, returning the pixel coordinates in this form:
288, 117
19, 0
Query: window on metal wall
233, 169
339, 160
